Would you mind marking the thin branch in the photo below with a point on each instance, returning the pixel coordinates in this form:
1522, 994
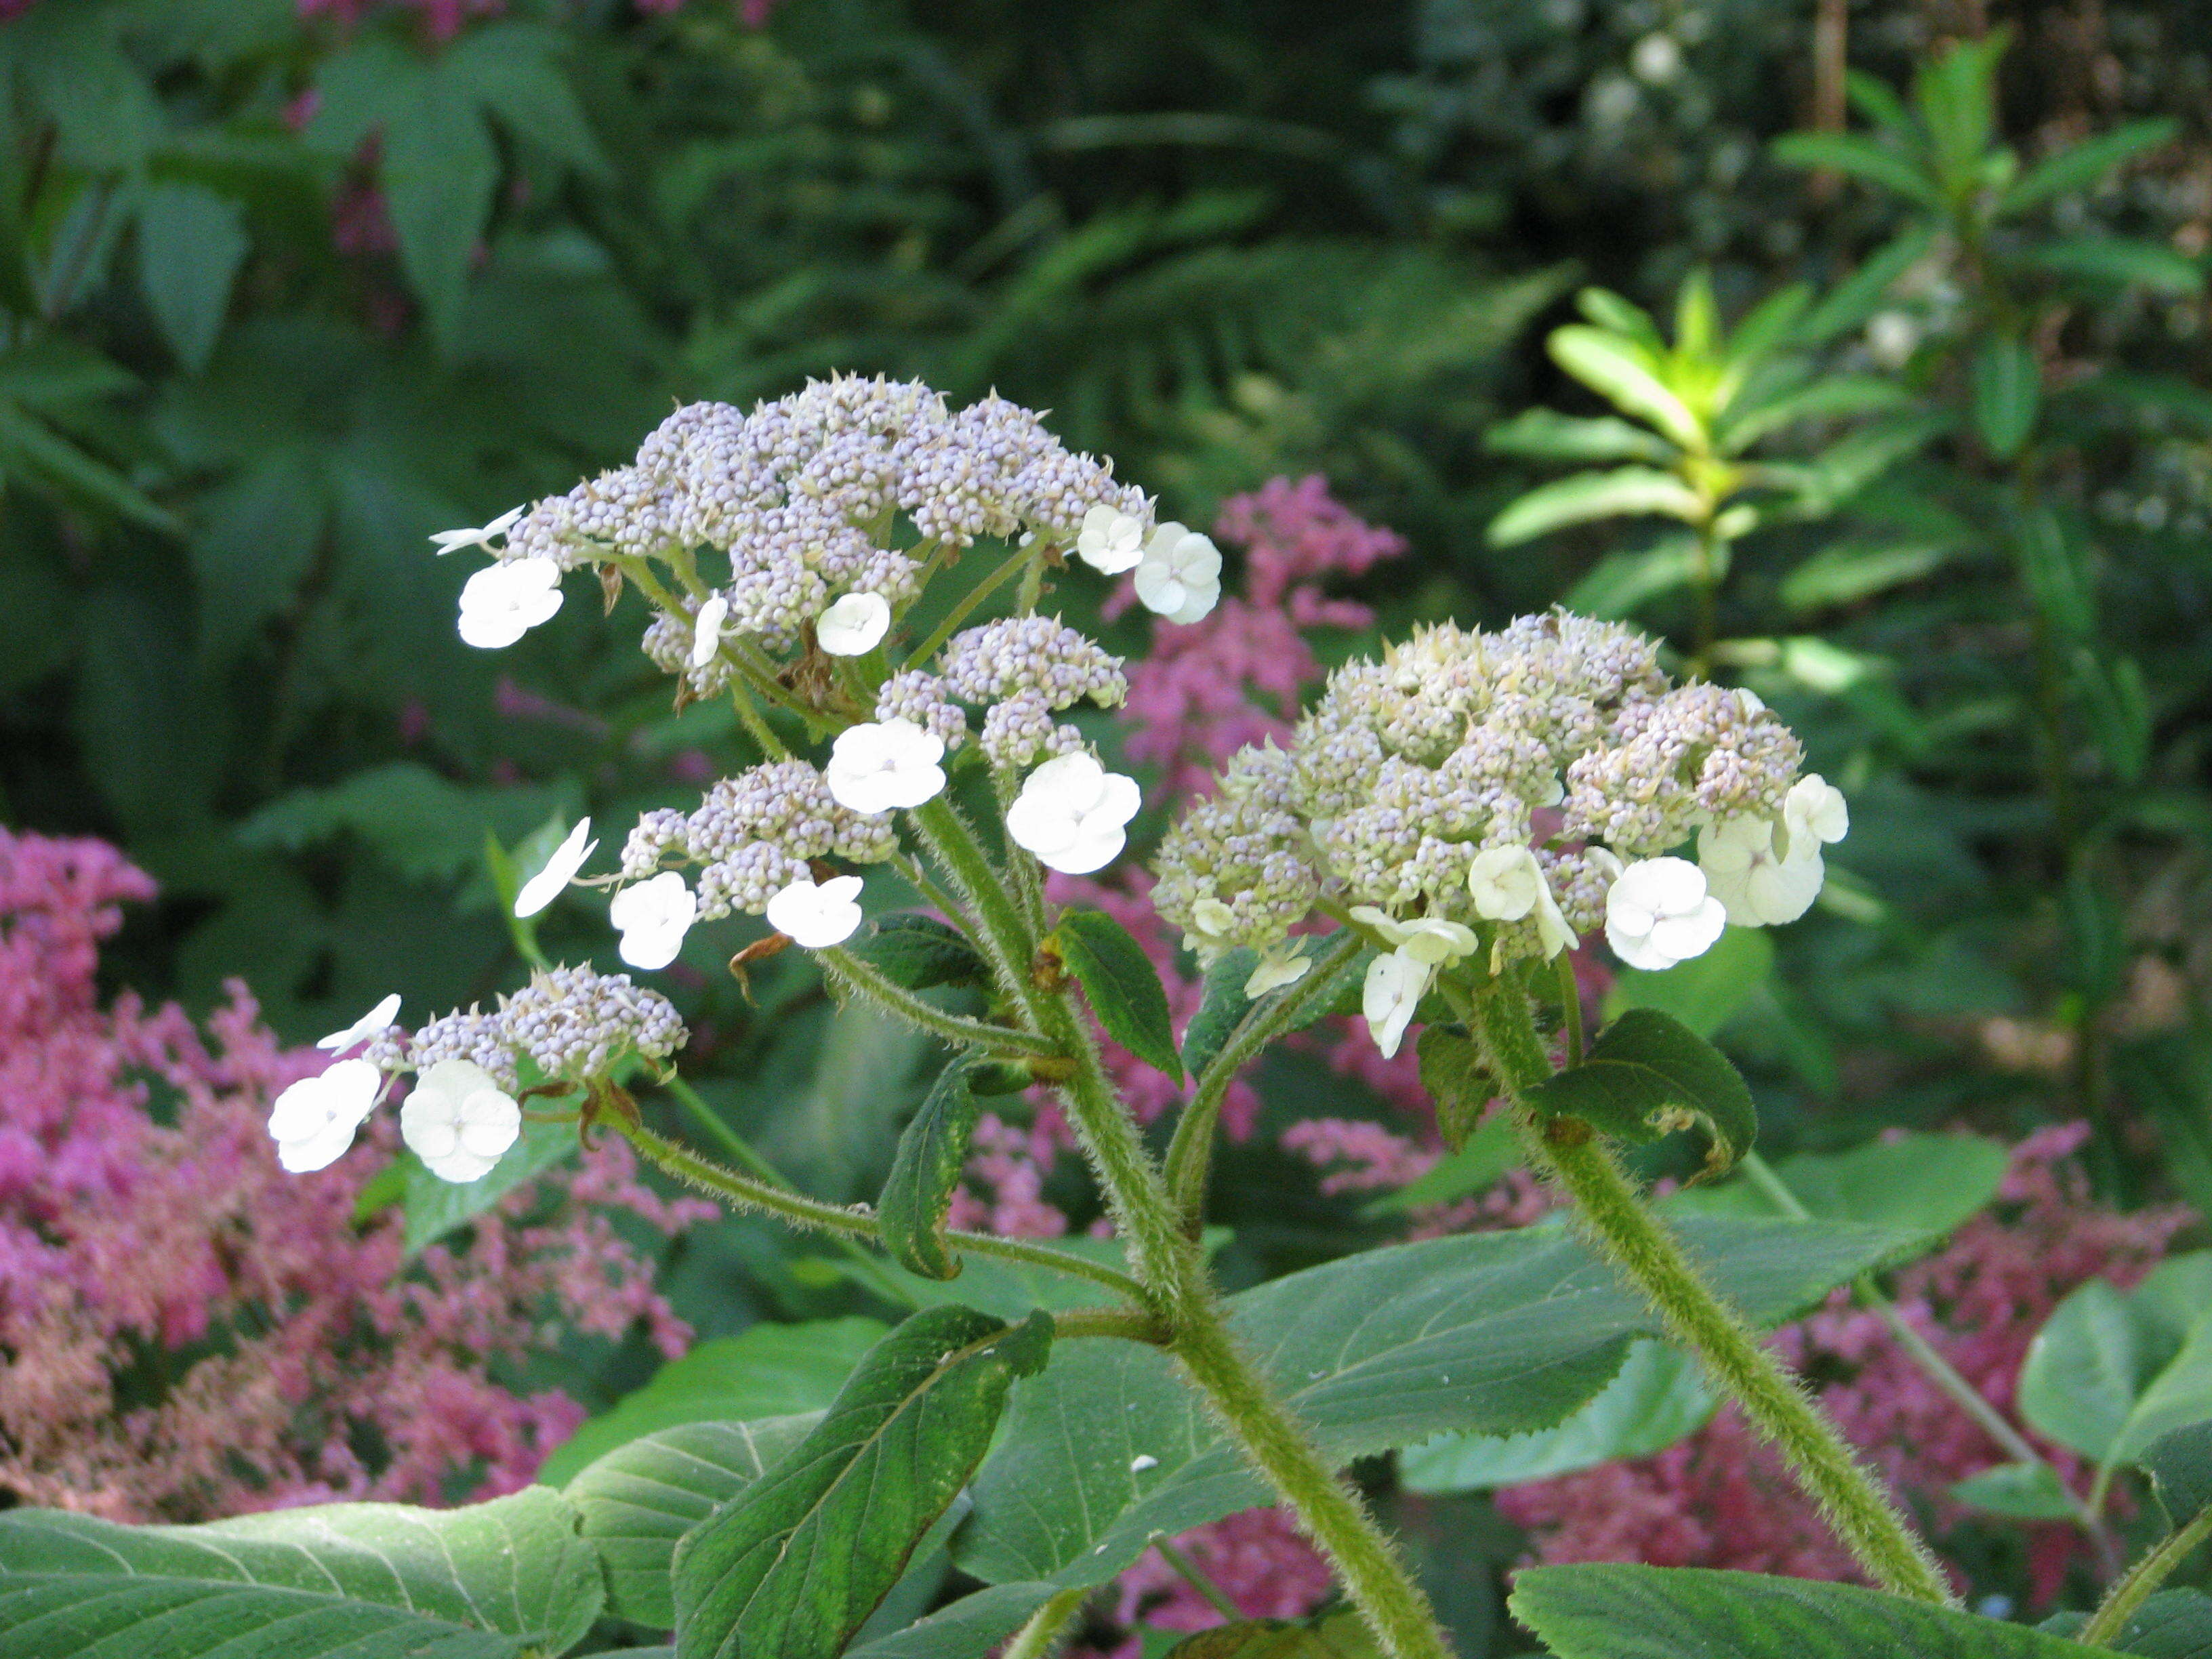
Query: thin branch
871, 981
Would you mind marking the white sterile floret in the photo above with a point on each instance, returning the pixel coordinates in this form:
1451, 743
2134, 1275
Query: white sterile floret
706, 629
1180, 576
1394, 987
448, 540
502, 602
1814, 811
882, 764
1430, 940
1658, 912
1747, 870
653, 918
855, 625
1073, 814
1508, 883
1281, 966
542, 889
376, 1019
817, 916
1110, 541
459, 1120
312, 1121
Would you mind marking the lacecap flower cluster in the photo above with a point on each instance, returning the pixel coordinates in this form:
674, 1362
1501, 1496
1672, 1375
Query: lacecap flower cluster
1497, 795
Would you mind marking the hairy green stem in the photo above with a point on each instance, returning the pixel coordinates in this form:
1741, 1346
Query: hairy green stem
1048, 1626
865, 977
2110, 1622
766, 1198
1570, 1005
966, 607
1854, 1505
1190, 1153
1196, 1576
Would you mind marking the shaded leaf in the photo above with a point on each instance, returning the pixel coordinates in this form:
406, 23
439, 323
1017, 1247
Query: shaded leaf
1339, 1635
2008, 391
1586, 495
2080, 166
770, 1370
438, 171
2019, 1492
191, 244
2117, 259
1929, 1183
1680, 1613
435, 1207
968, 1628
2179, 1464
1848, 572
1862, 293
794, 1564
919, 951
1490, 1152
1123, 990
1706, 992
1452, 1073
1861, 157
1221, 1008
1649, 1075
1619, 583
925, 1171
1546, 435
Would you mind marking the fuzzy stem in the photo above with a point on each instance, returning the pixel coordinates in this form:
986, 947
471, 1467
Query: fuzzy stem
749, 1193
960, 611
1048, 1626
1190, 1153
865, 977
1861, 1514
2110, 1622
1196, 1576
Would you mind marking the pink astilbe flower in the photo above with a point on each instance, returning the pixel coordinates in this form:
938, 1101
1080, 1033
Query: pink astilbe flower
189, 1331
1722, 1499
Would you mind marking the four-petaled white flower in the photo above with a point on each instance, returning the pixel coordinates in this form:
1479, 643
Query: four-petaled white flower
1745, 870
447, 540
882, 764
1277, 967
1508, 882
1110, 541
1814, 811
1073, 814
706, 629
817, 916
312, 1121
542, 889
854, 626
1394, 987
653, 918
1430, 940
459, 1120
376, 1019
1657, 913
502, 602
1180, 574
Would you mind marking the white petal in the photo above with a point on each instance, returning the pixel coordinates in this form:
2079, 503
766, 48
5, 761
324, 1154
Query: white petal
1816, 808
490, 1122
1682, 937
1389, 996
1110, 541
542, 889
855, 625
376, 1019
1504, 881
1659, 887
1276, 968
817, 917
1093, 849
706, 629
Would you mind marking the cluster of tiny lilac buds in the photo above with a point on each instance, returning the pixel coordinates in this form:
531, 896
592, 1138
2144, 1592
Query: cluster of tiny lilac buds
1494, 796
575, 1026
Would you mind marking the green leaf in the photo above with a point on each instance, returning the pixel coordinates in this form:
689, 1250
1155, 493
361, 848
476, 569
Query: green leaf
2117, 260
1626, 374
1649, 1075
254, 543
1610, 312
1862, 293
424, 827
770, 1370
436, 1208
794, 1564
1680, 1613
191, 244
968, 1628
918, 951
2111, 1372
2175, 1624
383, 1575
1490, 1152
640, 1499
508, 68
438, 171
1582, 496
2179, 1465
926, 1172
1339, 1635
2080, 167
1495, 1334
1847, 573
2019, 1492
1617, 585
1829, 398
1010, 1289
1931, 1184
1221, 1009
1452, 1073
1546, 435
1124, 992
1706, 992
2008, 393
1862, 158
1657, 1398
